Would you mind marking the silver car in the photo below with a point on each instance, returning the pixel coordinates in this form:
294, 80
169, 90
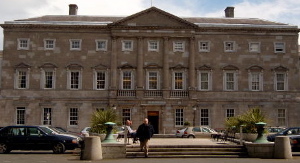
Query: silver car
199, 132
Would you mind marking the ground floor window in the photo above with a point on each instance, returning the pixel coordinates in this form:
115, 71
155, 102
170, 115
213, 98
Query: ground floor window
179, 117
73, 116
20, 115
281, 117
126, 115
47, 116
204, 117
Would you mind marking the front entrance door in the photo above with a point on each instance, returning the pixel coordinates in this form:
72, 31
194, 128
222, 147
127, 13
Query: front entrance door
153, 117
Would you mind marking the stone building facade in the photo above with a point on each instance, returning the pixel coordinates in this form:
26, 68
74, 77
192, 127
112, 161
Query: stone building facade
59, 69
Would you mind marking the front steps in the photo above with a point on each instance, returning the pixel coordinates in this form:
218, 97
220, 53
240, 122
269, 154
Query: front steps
188, 151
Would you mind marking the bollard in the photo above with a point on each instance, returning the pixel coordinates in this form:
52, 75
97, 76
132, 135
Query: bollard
92, 148
282, 148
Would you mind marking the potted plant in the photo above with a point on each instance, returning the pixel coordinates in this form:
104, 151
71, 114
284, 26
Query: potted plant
247, 120
98, 120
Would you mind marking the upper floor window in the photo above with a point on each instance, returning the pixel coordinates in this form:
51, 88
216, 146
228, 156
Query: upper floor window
255, 81
280, 81
75, 44
22, 76
254, 47
178, 80
204, 46
152, 80
279, 47
127, 45
127, 80
153, 45
229, 46
49, 44
48, 81
230, 81
101, 45
23, 43
280, 78
74, 76
178, 46
100, 81
205, 82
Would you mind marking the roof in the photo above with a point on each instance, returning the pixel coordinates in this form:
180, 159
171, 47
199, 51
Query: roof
116, 20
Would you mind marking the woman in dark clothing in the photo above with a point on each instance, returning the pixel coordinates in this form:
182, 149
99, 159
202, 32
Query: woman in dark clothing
144, 133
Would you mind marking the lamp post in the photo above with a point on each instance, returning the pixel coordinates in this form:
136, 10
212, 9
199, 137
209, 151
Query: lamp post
194, 108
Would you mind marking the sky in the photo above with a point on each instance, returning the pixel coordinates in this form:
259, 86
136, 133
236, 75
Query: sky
284, 11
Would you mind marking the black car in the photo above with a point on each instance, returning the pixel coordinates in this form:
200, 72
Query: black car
295, 142
292, 131
35, 138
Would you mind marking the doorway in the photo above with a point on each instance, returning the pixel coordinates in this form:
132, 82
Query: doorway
153, 117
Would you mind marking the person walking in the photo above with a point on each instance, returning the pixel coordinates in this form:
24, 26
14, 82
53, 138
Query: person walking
144, 132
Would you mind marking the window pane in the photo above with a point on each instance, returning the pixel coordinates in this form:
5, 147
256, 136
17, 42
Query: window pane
100, 80
126, 115
229, 81
204, 81
47, 116
127, 79
204, 117
178, 80
73, 116
153, 80
20, 115
179, 117
22, 78
280, 78
49, 79
255, 81
229, 113
74, 80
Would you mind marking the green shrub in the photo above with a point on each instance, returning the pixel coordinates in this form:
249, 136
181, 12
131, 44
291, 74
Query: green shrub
100, 117
248, 120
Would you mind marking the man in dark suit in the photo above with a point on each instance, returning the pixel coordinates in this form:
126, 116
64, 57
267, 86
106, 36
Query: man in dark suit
144, 132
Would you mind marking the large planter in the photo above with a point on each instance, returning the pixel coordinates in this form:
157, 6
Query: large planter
250, 137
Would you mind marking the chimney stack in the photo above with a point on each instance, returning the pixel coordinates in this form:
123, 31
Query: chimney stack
73, 9
229, 12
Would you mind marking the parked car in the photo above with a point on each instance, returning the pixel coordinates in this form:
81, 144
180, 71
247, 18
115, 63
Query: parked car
286, 132
199, 132
85, 130
295, 142
61, 130
36, 138
180, 132
274, 130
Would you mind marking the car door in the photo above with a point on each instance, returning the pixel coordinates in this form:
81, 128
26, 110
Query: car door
37, 139
197, 131
206, 133
17, 138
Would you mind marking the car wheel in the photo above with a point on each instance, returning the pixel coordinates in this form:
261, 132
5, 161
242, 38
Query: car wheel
191, 136
59, 148
4, 148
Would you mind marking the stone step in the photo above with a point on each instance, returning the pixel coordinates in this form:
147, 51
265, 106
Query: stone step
188, 151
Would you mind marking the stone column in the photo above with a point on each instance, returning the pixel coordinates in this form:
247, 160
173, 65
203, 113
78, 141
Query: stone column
140, 64
192, 64
166, 84
166, 71
113, 64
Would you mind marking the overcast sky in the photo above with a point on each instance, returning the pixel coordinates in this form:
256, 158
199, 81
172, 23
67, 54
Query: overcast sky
284, 11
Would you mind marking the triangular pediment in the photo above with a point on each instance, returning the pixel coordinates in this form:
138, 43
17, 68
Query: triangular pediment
155, 18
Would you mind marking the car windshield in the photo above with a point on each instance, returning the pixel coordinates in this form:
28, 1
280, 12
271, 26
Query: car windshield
48, 130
